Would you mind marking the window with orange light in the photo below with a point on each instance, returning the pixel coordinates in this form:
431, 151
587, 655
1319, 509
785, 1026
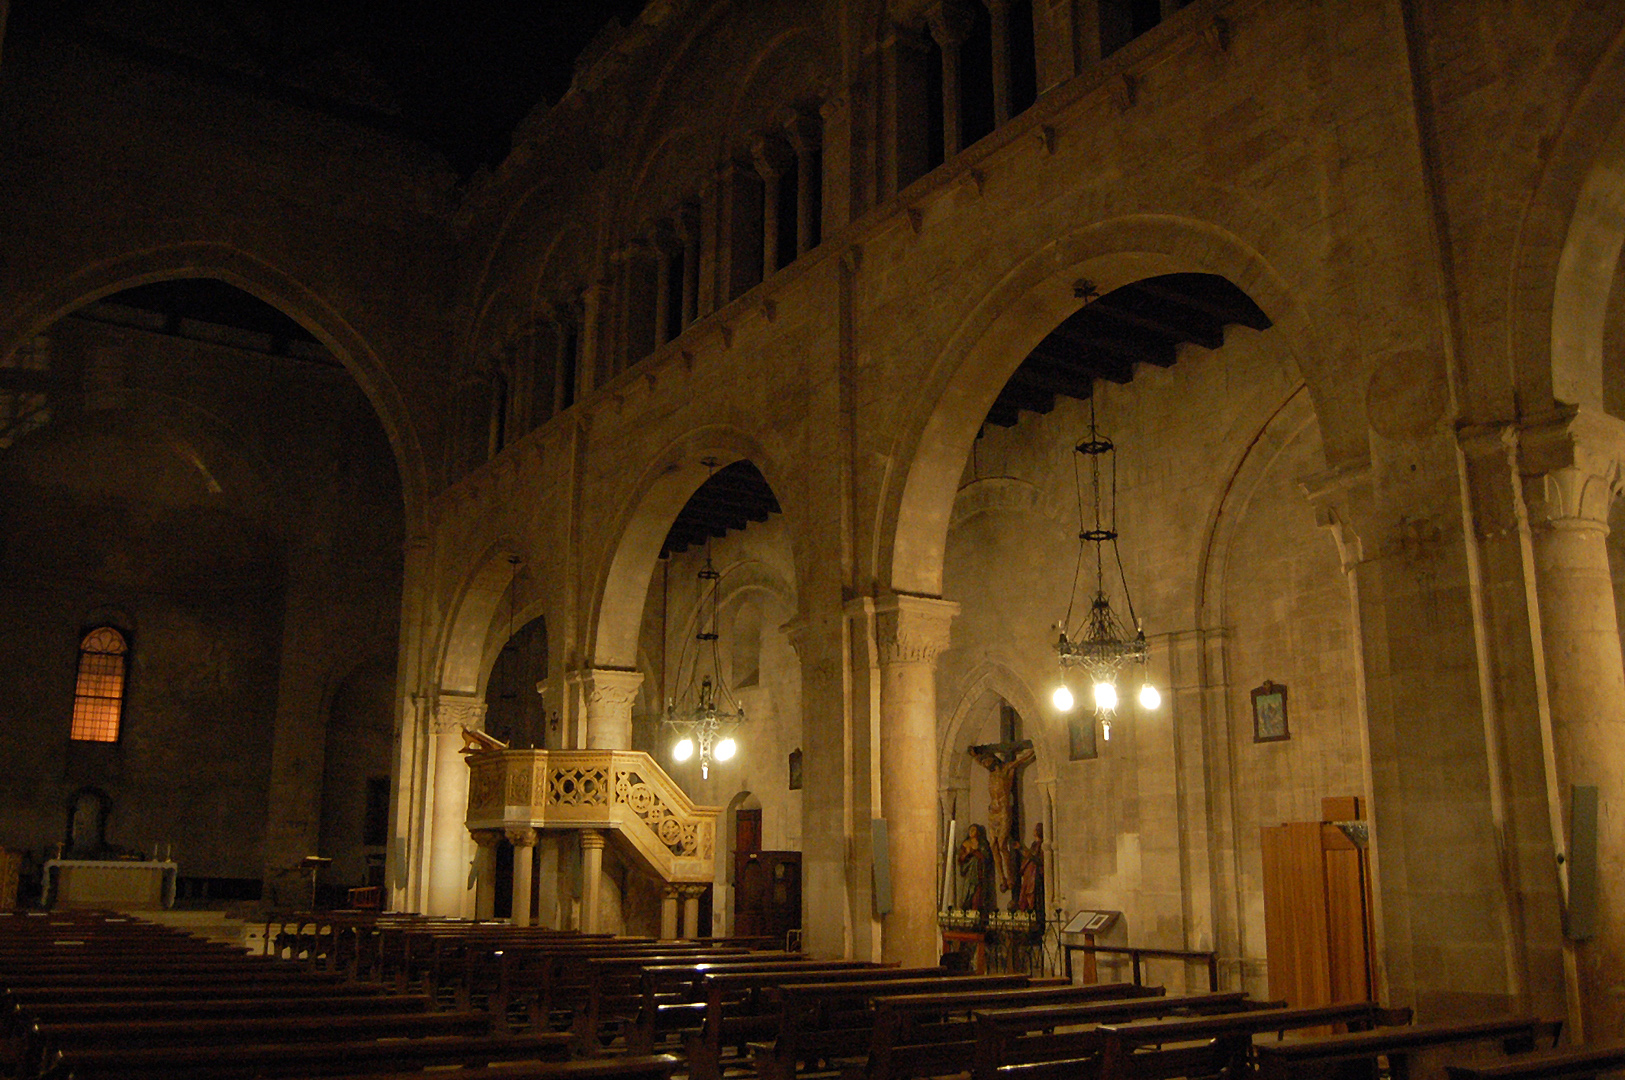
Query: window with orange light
98, 696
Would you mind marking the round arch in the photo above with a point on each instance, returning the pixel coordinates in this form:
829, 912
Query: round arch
655, 499
268, 283
464, 654
993, 677
991, 342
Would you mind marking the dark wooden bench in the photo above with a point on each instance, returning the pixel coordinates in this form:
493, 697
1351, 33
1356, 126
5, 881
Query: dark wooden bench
833, 1022
1019, 1036
638, 1067
1207, 1045
293, 1059
1420, 1050
919, 1035
615, 988
1588, 1063
739, 1007
672, 996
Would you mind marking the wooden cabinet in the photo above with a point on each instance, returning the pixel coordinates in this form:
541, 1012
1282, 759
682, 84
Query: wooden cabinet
1317, 908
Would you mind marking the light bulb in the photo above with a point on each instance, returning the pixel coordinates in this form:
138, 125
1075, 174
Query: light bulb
683, 750
1106, 696
1106, 731
725, 750
1149, 698
1062, 699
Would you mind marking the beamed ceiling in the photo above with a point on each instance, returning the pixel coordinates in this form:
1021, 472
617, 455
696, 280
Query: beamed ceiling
1142, 323
732, 498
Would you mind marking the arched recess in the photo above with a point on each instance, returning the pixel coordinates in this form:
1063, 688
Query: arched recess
640, 528
466, 652
955, 768
991, 342
268, 283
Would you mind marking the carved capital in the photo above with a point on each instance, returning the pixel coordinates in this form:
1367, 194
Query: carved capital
772, 157
487, 838
452, 715
611, 689
802, 132
912, 629
1342, 499
1573, 467
950, 22
591, 839
521, 837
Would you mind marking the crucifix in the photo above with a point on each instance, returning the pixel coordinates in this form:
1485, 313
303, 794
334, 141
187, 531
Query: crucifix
1003, 762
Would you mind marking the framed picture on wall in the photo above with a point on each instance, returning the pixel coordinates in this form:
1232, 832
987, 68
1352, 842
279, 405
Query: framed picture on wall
1269, 713
1081, 735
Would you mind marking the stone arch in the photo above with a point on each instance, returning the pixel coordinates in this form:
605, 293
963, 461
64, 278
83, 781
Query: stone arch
999, 332
1000, 679
622, 583
266, 282
465, 656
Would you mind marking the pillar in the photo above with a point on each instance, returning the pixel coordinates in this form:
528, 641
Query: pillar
665, 250
1571, 472
950, 23
904, 147
524, 869
610, 695
589, 339
448, 836
691, 912
688, 233
485, 872
999, 12
771, 164
802, 134
911, 631
668, 913
592, 878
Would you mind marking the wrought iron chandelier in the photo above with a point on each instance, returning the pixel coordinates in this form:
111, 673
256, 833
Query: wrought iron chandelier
1100, 644
705, 714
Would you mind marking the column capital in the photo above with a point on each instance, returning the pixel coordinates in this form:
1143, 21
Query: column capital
487, 838
591, 839
771, 155
1343, 503
452, 715
801, 131
610, 687
521, 837
1572, 462
912, 629
950, 22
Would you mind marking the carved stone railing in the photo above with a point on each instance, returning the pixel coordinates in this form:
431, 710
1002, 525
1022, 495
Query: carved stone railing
623, 790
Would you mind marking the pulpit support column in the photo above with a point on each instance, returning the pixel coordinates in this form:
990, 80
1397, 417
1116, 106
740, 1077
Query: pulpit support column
592, 874
485, 872
524, 868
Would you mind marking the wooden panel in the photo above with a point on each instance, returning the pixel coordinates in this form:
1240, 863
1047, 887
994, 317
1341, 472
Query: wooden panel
1341, 808
1348, 954
1295, 931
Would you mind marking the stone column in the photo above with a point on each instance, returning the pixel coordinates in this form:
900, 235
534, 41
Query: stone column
448, 835
950, 23
691, 912
1571, 470
665, 249
524, 868
900, 108
592, 874
588, 338
999, 12
485, 872
802, 134
771, 163
912, 632
610, 695
688, 232
668, 913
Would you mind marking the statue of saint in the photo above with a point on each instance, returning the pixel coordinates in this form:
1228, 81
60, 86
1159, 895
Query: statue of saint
1032, 871
1001, 794
975, 859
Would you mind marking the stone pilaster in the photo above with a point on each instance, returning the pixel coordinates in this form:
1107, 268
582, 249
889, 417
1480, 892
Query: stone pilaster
448, 838
611, 693
911, 632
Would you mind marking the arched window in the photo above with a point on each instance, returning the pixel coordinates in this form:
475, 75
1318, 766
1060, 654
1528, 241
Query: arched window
98, 697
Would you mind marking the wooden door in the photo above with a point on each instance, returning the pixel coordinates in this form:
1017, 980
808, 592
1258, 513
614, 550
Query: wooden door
1317, 915
767, 894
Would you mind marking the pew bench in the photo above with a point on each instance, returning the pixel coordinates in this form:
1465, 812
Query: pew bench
637, 1067
1587, 1063
615, 988
672, 996
1420, 1050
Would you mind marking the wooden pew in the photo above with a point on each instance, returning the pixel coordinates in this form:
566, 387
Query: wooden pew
919, 1035
1207, 1045
672, 996
1011, 1037
827, 1021
639, 1067
1421, 1050
285, 1059
739, 1008
615, 988
1588, 1063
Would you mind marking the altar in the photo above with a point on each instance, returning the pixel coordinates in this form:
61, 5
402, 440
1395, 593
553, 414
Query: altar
130, 885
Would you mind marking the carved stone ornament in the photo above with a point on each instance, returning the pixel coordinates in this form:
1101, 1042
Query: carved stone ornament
523, 837
451, 716
611, 690
912, 629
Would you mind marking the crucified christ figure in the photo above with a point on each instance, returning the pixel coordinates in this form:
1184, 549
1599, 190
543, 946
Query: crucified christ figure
1001, 785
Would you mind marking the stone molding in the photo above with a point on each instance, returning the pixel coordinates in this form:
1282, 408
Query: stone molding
912, 629
1572, 464
592, 838
1342, 499
487, 837
521, 837
451, 716
611, 689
